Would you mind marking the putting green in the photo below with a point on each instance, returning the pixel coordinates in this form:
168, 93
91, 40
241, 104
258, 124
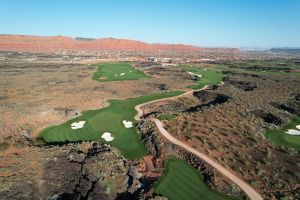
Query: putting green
181, 181
117, 72
209, 77
280, 137
108, 119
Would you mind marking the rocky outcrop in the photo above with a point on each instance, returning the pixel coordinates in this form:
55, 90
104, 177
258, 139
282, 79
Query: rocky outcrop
68, 176
292, 106
207, 99
71, 171
243, 85
267, 117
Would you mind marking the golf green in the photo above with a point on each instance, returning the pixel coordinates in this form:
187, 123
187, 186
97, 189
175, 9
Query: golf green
280, 137
181, 181
208, 76
110, 120
117, 72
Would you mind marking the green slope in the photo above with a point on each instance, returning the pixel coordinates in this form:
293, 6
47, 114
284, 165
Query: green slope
117, 72
106, 120
181, 181
279, 137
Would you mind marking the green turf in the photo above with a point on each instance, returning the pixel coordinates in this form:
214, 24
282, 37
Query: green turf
279, 137
111, 72
166, 117
181, 181
107, 119
209, 77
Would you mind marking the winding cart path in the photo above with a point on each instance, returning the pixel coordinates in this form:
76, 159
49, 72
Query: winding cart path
252, 194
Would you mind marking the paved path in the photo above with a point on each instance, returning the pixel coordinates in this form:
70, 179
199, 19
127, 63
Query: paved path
252, 194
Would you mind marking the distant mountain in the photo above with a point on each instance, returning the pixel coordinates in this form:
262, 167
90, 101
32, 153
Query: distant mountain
287, 50
254, 48
58, 43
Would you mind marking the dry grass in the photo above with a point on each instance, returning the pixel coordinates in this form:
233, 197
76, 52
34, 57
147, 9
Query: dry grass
32, 93
230, 134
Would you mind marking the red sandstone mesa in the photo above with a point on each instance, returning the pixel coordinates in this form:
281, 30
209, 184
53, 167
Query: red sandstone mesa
56, 43
59, 43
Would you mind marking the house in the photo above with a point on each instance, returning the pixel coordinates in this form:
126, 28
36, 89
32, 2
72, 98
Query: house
152, 59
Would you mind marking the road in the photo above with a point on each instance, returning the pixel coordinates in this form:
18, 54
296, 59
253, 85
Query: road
251, 193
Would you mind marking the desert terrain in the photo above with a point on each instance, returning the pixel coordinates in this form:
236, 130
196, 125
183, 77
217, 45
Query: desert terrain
248, 94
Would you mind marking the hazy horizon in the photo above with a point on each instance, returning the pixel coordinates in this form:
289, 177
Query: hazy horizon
260, 24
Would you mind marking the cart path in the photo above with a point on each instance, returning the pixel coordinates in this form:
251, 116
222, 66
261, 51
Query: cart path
252, 194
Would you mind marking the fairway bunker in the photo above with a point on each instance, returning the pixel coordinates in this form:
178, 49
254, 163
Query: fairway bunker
128, 124
293, 132
77, 125
107, 137
198, 75
287, 136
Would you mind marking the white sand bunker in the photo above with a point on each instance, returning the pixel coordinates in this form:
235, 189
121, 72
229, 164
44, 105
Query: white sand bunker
77, 125
107, 137
122, 74
198, 75
127, 124
293, 132
116, 74
298, 127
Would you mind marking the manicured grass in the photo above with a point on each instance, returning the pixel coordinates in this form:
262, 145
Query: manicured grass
113, 72
181, 181
108, 119
166, 117
209, 77
279, 137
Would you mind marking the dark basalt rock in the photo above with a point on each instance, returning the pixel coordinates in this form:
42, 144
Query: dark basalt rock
243, 85
67, 178
283, 107
260, 68
208, 99
297, 97
151, 114
267, 117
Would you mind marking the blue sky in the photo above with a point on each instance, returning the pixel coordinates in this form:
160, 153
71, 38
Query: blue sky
232, 23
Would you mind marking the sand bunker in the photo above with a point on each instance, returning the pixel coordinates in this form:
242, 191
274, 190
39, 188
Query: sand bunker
122, 74
298, 127
293, 132
198, 75
127, 124
116, 74
77, 125
107, 137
